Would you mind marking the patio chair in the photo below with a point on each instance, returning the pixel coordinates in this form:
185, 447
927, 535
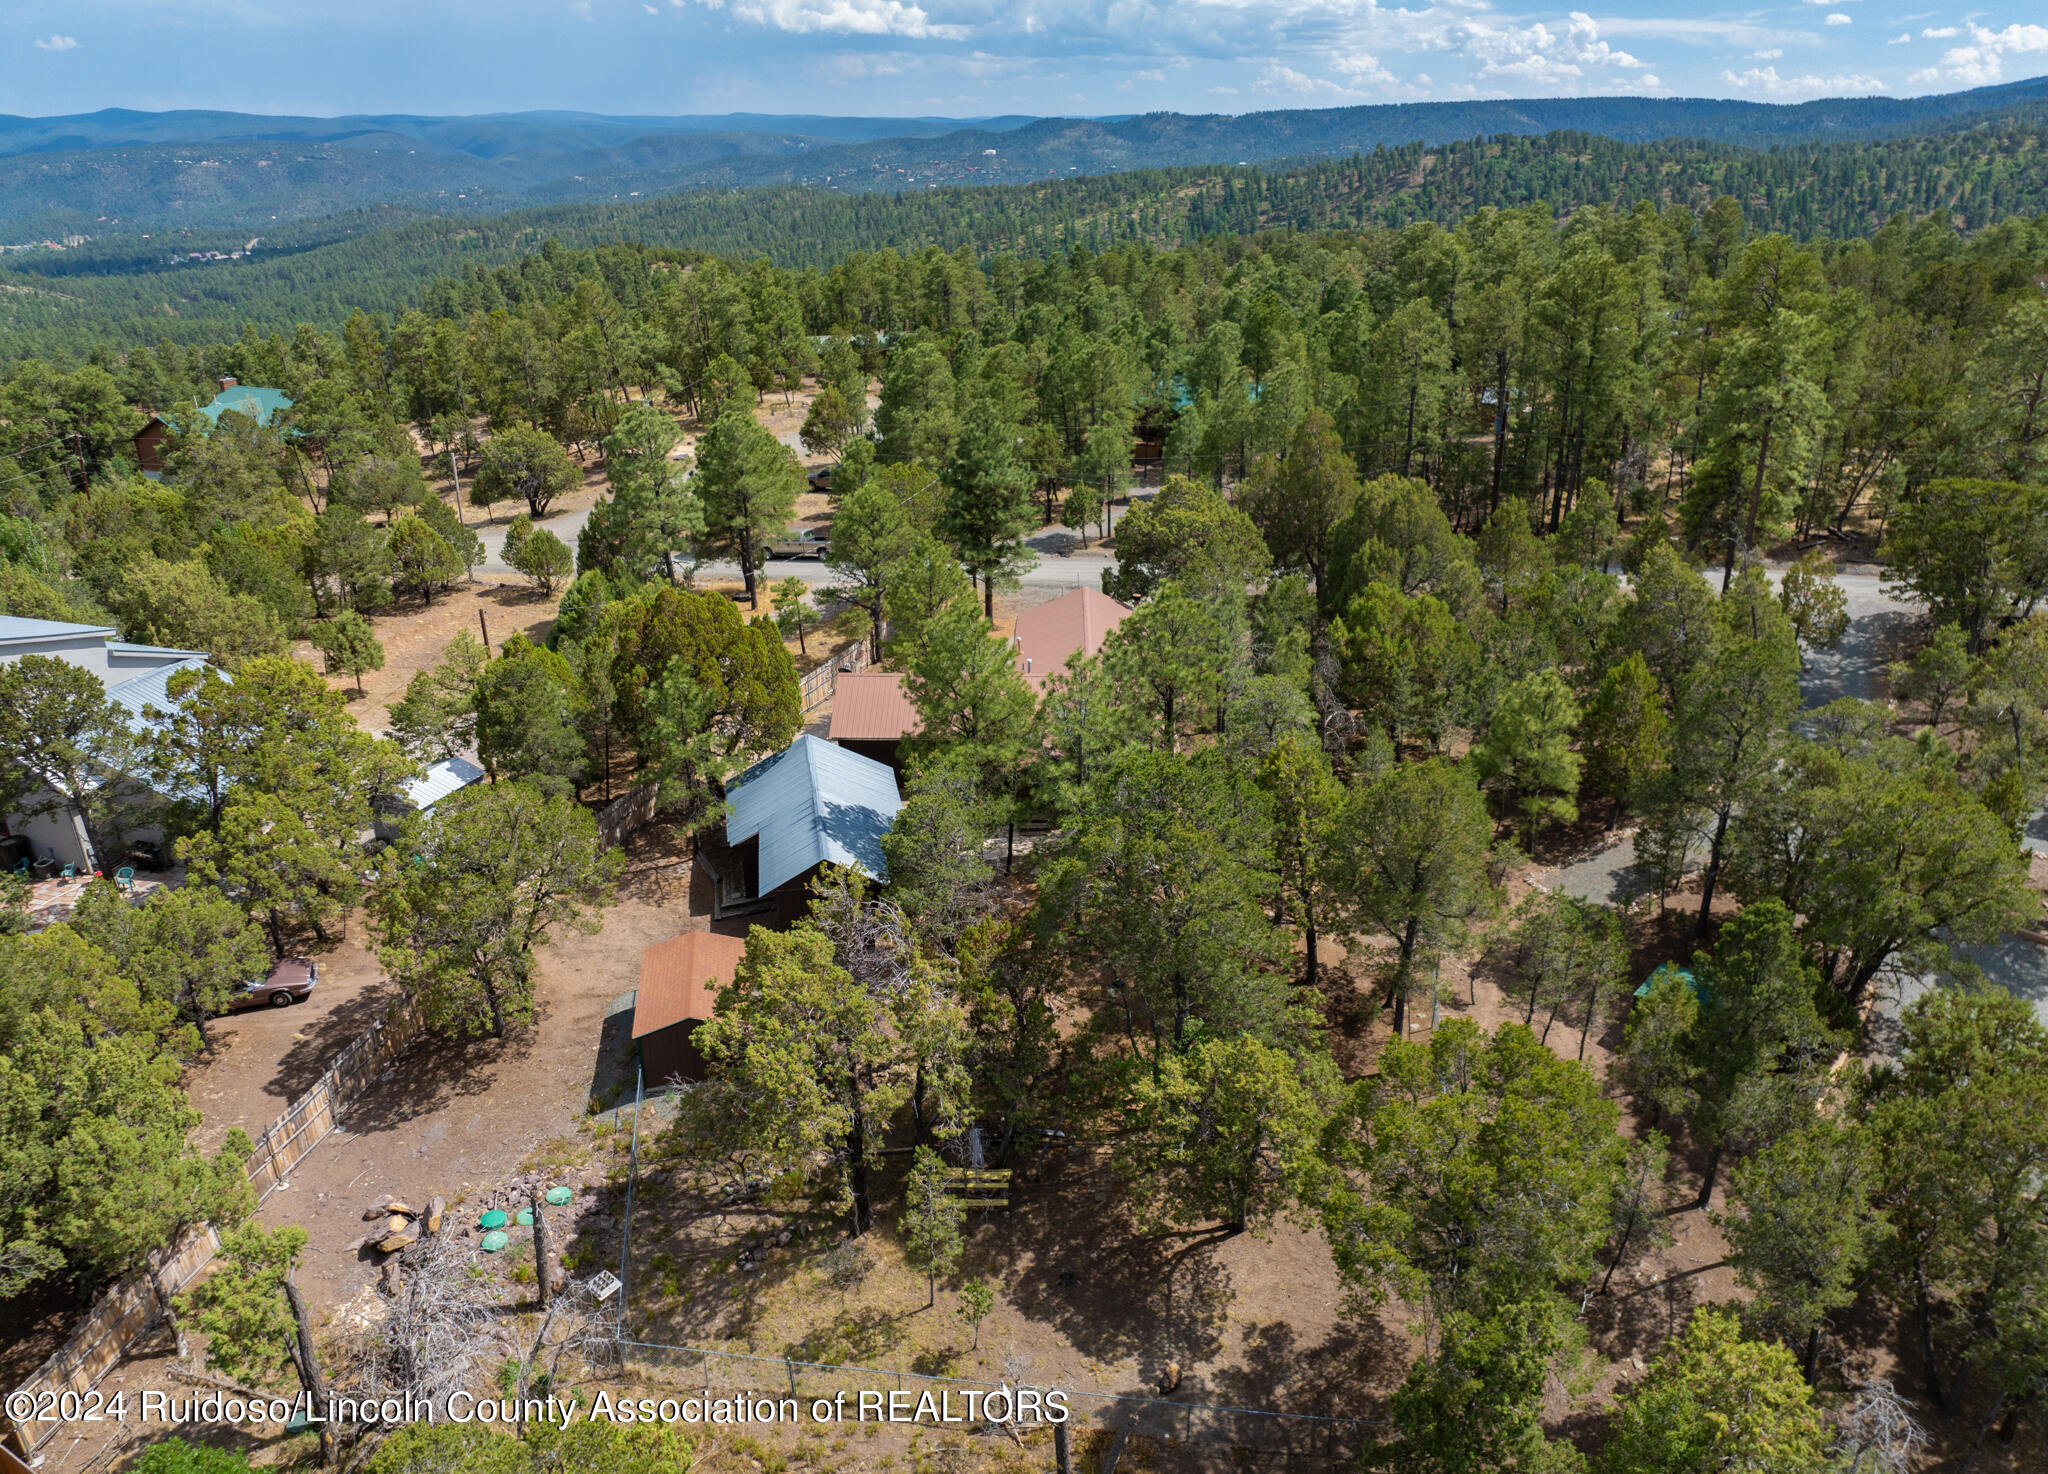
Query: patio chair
68, 874
125, 878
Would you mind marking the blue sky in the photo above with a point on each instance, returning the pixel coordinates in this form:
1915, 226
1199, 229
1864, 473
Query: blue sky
973, 57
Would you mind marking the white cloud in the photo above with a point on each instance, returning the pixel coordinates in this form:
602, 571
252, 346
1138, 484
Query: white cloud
854, 66
1537, 56
1836, 18
650, 10
57, 43
1286, 80
1982, 62
1363, 68
1901, 39
1767, 81
842, 17
1223, 92
1769, 53
1940, 33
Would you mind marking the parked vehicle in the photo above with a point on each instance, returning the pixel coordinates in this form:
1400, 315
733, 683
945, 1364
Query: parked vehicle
290, 981
801, 543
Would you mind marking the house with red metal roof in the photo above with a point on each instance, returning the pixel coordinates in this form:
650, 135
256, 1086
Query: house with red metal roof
872, 711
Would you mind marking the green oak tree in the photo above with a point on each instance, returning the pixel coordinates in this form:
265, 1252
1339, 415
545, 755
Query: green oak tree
1716, 1400
1227, 1134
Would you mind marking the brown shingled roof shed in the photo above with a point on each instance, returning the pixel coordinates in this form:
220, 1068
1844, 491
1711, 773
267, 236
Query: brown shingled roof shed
679, 982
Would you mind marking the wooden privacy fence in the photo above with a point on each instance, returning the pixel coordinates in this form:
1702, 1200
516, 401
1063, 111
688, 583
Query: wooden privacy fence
625, 814
817, 681
124, 1311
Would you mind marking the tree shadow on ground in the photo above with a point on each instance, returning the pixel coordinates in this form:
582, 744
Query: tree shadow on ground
308, 1057
1278, 1371
1634, 1319
690, 1281
422, 1078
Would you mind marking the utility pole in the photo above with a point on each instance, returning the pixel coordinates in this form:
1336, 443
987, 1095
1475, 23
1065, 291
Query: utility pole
456, 477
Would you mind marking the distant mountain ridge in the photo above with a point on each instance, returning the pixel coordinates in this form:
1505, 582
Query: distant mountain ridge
484, 135
122, 290
114, 172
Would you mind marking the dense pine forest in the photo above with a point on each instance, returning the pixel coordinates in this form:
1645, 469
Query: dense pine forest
1474, 463
120, 291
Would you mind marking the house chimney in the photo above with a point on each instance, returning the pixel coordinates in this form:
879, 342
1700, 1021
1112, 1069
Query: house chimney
228, 383
1027, 665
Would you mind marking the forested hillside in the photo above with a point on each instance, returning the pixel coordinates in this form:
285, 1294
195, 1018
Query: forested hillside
1377, 656
120, 292
142, 172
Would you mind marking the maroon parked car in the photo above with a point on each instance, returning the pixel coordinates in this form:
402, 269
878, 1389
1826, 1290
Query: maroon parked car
291, 981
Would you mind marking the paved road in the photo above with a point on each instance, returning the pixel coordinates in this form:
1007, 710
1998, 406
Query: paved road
1878, 624
1856, 667
1062, 563
565, 525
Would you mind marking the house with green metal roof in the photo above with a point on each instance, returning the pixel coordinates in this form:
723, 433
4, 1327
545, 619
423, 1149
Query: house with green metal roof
257, 403
1673, 972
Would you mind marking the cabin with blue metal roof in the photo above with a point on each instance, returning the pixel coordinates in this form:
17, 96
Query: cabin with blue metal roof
812, 804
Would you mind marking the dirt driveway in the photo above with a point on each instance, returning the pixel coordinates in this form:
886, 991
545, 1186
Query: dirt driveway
265, 1058
448, 1117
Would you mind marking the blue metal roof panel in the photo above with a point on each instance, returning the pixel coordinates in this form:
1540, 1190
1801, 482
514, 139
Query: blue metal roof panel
149, 688
124, 647
811, 803
14, 627
443, 778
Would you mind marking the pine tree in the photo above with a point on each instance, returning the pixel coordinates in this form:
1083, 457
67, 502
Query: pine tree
1527, 751
350, 646
931, 1222
988, 503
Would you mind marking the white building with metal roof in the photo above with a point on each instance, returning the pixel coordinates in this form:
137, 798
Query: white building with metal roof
134, 677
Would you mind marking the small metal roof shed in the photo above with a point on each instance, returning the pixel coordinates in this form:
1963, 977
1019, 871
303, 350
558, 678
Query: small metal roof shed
445, 777
450, 775
812, 803
871, 706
